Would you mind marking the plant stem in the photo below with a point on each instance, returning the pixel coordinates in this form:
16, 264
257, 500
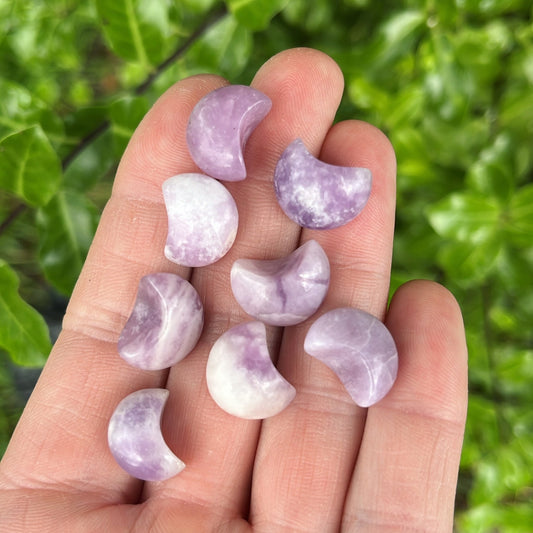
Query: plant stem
86, 141
11, 217
211, 19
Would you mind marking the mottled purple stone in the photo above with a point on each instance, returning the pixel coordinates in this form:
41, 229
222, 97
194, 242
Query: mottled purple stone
219, 127
282, 292
359, 349
317, 195
202, 219
241, 377
135, 439
165, 323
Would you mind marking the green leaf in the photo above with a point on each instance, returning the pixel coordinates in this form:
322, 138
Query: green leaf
397, 36
493, 173
10, 403
135, 29
29, 166
297, 13
400, 26
465, 217
195, 6
126, 114
516, 111
20, 109
224, 49
469, 264
23, 331
255, 14
520, 223
91, 164
66, 225
80, 125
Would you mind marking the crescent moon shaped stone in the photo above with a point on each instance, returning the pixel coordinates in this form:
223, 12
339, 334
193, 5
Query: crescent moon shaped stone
282, 292
165, 323
202, 219
359, 349
219, 127
317, 195
241, 377
135, 439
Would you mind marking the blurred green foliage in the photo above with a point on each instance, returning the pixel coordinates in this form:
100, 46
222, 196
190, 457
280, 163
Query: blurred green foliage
450, 82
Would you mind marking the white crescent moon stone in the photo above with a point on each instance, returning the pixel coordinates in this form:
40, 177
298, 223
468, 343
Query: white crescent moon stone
241, 377
135, 439
202, 219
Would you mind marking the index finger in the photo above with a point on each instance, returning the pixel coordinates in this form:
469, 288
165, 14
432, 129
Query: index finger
84, 378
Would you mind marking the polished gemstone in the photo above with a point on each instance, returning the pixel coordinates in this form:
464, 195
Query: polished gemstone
284, 291
202, 219
359, 349
165, 323
318, 195
219, 127
241, 377
135, 438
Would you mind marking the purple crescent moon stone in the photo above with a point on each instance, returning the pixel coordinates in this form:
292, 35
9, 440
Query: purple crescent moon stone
285, 291
202, 219
135, 439
359, 349
241, 377
165, 324
219, 127
317, 195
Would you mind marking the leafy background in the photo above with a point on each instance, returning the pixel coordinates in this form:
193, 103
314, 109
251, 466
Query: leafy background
449, 81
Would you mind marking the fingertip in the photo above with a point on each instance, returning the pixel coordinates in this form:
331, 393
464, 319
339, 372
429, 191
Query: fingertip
358, 143
294, 58
426, 322
433, 293
306, 88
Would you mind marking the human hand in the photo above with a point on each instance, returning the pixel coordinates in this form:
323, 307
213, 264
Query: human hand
321, 465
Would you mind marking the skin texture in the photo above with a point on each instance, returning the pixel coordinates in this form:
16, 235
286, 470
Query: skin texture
323, 464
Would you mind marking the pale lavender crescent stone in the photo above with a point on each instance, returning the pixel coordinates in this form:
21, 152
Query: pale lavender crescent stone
135, 439
202, 219
282, 292
165, 323
359, 349
318, 195
219, 127
241, 377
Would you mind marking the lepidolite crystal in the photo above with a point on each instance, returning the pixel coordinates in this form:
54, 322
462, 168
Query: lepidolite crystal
135, 438
219, 127
165, 324
359, 349
241, 377
202, 219
317, 195
282, 292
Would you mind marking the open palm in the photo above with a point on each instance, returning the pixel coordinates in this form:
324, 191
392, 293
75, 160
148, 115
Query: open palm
323, 464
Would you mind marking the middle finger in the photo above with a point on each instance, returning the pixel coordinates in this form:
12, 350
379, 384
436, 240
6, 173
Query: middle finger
305, 87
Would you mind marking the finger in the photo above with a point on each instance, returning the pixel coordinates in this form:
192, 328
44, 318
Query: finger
406, 472
62, 435
306, 455
305, 87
